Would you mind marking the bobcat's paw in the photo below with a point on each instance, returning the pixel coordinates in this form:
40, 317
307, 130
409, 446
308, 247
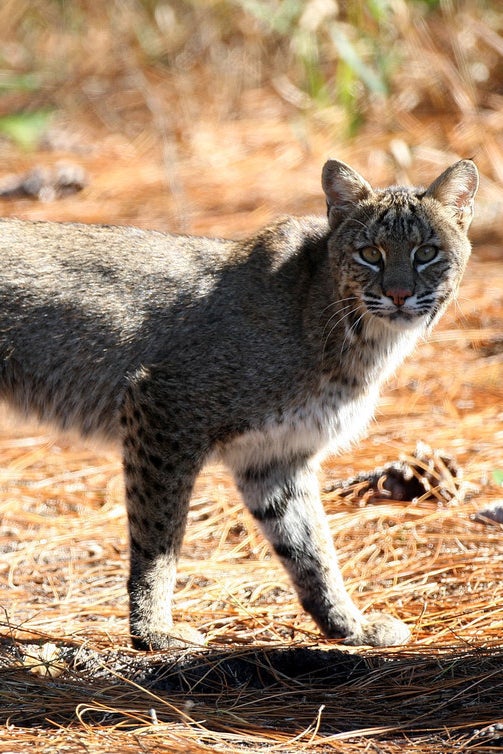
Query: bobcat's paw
379, 630
180, 636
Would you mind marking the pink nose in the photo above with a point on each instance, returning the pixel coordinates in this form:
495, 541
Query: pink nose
398, 295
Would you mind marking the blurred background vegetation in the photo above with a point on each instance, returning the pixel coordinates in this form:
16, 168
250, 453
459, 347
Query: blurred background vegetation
189, 86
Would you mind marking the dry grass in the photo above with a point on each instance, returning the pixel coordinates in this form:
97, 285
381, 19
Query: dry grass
233, 156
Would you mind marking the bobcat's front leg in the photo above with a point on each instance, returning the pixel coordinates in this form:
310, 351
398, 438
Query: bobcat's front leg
161, 460
284, 499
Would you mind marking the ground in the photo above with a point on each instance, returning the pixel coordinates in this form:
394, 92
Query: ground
266, 680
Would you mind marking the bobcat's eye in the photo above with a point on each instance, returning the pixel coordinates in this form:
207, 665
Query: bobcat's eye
425, 254
371, 255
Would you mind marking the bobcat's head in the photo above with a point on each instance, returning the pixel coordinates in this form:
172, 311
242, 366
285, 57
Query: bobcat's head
398, 253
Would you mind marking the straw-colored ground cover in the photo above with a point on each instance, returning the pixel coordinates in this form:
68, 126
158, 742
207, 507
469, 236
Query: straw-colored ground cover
166, 148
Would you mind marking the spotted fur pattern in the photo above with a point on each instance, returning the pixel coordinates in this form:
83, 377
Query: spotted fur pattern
266, 353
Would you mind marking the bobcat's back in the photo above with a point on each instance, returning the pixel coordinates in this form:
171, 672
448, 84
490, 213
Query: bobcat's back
83, 306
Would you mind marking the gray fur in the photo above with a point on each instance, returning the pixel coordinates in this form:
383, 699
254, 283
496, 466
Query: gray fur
267, 353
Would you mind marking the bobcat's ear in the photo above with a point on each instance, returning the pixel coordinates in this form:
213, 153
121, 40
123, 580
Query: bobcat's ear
343, 188
456, 189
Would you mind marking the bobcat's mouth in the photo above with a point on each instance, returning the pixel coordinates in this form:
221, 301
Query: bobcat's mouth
400, 317
403, 315
405, 319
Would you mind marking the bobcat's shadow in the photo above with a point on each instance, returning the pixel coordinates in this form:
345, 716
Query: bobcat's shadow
407, 691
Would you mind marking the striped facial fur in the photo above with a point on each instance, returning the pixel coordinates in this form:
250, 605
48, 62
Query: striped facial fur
399, 253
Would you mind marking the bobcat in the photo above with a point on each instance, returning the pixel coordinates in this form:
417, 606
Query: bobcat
266, 353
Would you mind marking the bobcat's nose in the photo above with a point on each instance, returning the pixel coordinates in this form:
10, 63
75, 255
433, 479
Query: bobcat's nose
398, 295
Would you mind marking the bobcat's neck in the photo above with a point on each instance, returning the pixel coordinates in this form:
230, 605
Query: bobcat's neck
377, 351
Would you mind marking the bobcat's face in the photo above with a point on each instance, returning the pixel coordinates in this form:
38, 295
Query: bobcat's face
397, 254
401, 259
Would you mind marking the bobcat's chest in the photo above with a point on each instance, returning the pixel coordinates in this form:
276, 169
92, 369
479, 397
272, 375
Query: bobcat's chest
333, 414
323, 423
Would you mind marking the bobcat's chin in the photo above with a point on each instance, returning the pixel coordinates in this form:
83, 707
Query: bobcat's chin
404, 321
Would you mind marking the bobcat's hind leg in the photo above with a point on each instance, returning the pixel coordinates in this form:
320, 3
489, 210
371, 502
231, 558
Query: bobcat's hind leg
160, 466
284, 499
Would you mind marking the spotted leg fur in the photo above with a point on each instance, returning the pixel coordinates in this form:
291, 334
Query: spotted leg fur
161, 462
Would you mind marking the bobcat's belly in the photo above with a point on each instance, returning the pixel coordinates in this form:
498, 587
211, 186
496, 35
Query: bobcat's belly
318, 427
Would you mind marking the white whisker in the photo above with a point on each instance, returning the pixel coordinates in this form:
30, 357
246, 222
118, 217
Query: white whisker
351, 329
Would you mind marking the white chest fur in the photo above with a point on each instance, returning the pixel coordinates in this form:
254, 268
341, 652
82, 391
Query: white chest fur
325, 423
334, 416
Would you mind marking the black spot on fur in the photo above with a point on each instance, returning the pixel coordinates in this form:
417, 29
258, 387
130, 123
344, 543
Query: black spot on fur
277, 506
